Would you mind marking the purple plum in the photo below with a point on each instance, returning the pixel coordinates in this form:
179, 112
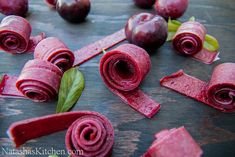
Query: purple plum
171, 8
14, 7
73, 10
146, 30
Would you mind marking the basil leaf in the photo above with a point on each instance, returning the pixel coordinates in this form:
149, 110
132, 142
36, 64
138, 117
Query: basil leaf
71, 87
192, 18
53, 156
173, 26
211, 43
170, 36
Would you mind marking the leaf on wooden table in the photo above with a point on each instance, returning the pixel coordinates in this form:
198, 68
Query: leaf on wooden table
71, 88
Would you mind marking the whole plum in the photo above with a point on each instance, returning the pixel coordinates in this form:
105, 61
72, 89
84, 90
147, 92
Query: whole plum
14, 7
73, 10
171, 8
146, 30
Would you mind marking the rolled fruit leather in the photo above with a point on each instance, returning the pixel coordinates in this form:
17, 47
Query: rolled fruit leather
15, 36
55, 51
89, 133
189, 40
176, 142
218, 93
39, 81
122, 70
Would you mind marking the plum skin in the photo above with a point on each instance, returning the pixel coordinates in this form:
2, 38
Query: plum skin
14, 7
171, 8
144, 3
73, 10
146, 30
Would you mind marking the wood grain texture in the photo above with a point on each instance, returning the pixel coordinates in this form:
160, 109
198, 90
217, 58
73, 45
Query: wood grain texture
215, 131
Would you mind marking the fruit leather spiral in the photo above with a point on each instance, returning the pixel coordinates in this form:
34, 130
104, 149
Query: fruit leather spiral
176, 142
15, 34
189, 40
218, 93
55, 51
89, 133
39, 81
122, 70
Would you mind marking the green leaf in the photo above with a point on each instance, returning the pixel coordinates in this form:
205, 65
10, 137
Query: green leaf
170, 36
53, 156
173, 26
1, 77
211, 43
192, 18
103, 50
71, 87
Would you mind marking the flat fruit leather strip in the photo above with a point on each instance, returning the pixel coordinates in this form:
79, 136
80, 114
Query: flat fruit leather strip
15, 34
174, 143
122, 70
8, 88
189, 40
39, 81
55, 51
88, 131
218, 93
84, 54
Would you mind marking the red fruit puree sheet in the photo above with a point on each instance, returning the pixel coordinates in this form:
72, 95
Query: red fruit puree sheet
176, 142
218, 93
88, 131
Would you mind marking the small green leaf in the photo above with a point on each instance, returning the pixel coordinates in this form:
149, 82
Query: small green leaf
103, 50
173, 26
71, 87
211, 43
53, 156
1, 77
170, 36
192, 18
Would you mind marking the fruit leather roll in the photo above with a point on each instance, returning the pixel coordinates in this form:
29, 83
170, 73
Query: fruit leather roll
15, 34
218, 93
122, 70
189, 40
176, 142
89, 133
55, 51
39, 80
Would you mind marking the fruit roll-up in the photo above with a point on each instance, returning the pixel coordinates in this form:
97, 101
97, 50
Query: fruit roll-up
189, 38
219, 92
176, 142
55, 51
15, 34
189, 41
122, 70
39, 80
89, 133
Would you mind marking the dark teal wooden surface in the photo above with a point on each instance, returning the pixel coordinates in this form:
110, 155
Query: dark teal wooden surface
213, 130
